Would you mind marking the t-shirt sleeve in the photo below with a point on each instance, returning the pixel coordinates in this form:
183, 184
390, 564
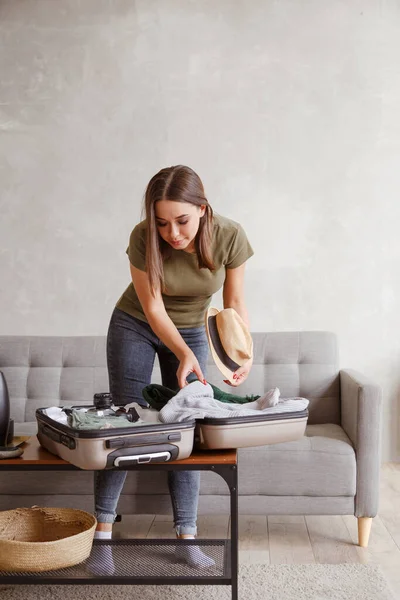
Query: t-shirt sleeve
136, 250
240, 249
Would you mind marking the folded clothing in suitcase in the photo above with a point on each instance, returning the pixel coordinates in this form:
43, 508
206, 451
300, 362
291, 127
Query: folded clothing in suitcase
146, 441
262, 420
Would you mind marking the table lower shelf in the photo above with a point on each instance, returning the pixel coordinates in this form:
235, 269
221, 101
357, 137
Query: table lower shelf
138, 561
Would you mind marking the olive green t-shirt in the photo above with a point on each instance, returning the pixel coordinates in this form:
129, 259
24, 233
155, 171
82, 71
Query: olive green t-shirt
188, 288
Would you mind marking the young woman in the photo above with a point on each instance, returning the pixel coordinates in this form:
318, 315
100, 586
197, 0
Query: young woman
180, 255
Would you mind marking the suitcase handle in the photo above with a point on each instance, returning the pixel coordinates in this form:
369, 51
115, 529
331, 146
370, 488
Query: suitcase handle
126, 456
143, 440
137, 459
61, 438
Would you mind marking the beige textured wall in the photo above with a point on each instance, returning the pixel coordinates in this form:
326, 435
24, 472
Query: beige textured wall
288, 111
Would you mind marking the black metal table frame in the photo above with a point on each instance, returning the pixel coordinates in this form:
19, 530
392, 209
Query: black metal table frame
230, 475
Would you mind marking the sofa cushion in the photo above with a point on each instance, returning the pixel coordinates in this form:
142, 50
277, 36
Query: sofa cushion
322, 463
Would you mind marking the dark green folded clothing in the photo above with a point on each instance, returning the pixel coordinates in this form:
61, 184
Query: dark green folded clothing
158, 395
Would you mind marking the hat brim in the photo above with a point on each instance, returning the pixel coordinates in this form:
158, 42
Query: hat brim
212, 312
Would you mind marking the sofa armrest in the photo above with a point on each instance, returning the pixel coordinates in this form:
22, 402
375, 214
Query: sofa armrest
361, 407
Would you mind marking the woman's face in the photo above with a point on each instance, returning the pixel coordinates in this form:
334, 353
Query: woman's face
178, 223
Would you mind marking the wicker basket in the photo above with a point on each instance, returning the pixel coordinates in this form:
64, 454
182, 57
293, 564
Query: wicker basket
44, 539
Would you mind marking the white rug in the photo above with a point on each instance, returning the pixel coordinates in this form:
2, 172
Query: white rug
256, 582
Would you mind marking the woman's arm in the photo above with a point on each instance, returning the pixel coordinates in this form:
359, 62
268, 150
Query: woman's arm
164, 328
233, 297
233, 292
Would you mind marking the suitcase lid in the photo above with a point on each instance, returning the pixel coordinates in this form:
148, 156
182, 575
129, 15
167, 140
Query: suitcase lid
298, 414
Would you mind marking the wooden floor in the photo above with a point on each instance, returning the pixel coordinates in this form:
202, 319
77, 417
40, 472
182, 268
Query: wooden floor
300, 539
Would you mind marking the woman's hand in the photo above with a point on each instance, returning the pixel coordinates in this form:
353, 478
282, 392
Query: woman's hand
241, 374
188, 364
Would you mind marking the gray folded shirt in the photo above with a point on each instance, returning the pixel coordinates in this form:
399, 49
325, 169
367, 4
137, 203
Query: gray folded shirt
79, 419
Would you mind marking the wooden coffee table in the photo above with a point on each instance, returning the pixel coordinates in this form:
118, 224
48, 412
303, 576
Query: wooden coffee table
136, 561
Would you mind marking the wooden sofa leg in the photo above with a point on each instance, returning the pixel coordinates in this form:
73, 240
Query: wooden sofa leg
364, 529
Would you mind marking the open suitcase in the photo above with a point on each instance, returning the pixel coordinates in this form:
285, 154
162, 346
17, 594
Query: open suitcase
152, 441
97, 449
246, 431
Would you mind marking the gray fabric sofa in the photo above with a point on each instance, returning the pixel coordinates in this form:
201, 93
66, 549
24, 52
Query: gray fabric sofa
333, 469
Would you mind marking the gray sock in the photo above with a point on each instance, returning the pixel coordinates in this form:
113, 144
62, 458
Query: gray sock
270, 398
101, 561
193, 556
102, 535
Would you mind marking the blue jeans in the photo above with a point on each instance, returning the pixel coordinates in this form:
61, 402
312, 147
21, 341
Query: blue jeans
131, 349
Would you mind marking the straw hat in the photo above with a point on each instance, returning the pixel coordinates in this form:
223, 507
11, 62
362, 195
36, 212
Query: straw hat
229, 339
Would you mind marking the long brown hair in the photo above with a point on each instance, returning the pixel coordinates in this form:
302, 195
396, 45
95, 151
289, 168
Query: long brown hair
180, 184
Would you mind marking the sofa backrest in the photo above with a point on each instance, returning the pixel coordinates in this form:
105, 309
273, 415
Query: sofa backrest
63, 371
